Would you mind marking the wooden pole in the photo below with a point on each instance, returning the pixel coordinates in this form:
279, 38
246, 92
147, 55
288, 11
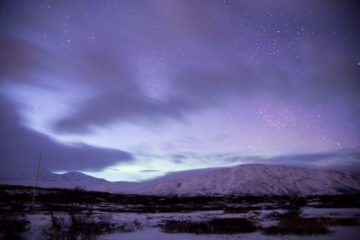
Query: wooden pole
36, 183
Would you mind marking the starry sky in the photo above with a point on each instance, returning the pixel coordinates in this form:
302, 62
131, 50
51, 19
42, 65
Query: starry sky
130, 90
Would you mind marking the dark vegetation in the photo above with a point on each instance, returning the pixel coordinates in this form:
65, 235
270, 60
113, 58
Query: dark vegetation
337, 221
82, 226
339, 201
297, 226
12, 224
79, 222
291, 222
78, 199
215, 226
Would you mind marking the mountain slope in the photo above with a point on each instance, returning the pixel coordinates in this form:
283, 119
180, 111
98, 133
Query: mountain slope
253, 179
24, 176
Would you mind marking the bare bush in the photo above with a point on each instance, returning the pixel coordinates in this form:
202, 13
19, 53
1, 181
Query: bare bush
328, 221
215, 226
12, 225
78, 225
290, 223
297, 226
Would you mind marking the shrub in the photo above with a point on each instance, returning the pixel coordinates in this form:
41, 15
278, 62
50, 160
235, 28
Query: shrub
215, 226
337, 221
297, 226
12, 225
82, 226
344, 222
290, 222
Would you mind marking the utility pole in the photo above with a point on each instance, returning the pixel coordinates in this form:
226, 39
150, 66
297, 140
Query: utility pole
36, 183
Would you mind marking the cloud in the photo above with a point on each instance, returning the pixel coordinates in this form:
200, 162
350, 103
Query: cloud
20, 58
348, 159
149, 171
20, 147
342, 160
161, 61
198, 64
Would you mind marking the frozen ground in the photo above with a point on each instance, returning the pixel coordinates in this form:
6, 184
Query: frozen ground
115, 216
149, 225
340, 233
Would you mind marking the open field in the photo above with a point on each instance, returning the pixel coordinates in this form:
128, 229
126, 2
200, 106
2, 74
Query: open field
74, 214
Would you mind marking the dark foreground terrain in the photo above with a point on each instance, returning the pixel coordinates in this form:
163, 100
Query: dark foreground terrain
79, 214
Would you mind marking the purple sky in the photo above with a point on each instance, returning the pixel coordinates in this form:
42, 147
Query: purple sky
129, 90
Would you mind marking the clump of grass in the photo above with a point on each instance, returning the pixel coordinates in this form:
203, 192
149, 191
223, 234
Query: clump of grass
297, 226
83, 226
337, 221
215, 226
12, 225
339, 201
73, 227
345, 222
290, 223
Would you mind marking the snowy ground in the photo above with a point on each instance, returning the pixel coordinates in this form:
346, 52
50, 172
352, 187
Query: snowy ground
149, 225
341, 233
131, 218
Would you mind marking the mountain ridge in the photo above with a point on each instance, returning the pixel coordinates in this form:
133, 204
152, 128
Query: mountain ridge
247, 179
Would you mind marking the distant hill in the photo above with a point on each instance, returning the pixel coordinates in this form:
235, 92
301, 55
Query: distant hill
251, 179
17, 176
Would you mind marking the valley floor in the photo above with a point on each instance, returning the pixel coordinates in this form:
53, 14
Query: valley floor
71, 214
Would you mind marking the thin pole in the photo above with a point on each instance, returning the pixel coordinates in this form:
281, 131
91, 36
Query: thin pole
36, 183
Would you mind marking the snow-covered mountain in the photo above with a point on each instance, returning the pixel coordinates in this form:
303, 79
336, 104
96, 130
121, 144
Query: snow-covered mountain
25, 177
251, 179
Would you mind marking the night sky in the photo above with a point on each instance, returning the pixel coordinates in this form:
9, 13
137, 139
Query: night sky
129, 90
